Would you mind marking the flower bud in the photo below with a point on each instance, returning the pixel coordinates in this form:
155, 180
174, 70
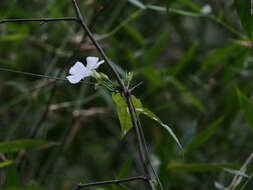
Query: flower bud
96, 74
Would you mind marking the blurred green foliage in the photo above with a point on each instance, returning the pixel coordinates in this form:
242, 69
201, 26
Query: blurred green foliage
196, 69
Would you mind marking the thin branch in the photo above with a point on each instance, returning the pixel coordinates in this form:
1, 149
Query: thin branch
137, 85
139, 140
147, 151
94, 41
80, 185
125, 91
39, 20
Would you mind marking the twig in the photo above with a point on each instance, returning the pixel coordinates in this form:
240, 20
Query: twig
116, 181
39, 20
125, 90
237, 179
137, 85
94, 41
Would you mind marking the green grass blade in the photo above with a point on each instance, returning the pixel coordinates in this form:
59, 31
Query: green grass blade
247, 107
203, 136
24, 144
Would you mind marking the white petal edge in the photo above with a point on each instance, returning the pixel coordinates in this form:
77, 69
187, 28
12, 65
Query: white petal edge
73, 79
91, 62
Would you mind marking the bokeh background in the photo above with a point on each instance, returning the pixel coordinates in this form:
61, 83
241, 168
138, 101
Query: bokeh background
194, 59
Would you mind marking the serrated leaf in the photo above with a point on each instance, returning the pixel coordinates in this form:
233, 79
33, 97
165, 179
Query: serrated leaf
243, 8
247, 107
203, 136
24, 144
151, 115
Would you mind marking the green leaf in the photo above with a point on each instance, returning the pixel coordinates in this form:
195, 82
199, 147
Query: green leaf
24, 144
203, 136
155, 77
135, 35
151, 115
125, 119
137, 103
12, 37
191, 5
243, 8
188, 94
185, 60
220, 55
6, 163
156, 49
247, 107
123, 113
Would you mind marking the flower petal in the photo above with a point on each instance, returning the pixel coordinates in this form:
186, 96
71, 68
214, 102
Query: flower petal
73, 79
78, 68
92, 63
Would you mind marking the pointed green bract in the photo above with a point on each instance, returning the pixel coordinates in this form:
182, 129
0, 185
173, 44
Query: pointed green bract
203, 136
247, 107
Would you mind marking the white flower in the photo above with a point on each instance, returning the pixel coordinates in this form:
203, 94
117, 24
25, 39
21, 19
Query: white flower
206, 9
79, 71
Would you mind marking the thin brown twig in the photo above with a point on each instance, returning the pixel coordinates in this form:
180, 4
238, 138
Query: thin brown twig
94, 41
116, 181
126, 92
